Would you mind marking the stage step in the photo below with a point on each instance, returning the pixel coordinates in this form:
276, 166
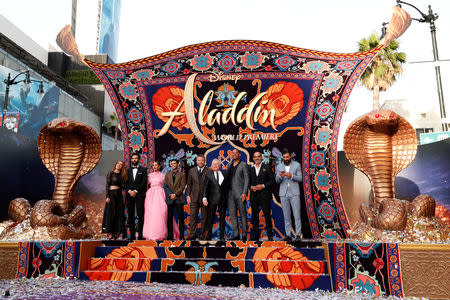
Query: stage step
266, 264
208, 252
185, 264
231, 279
218, 243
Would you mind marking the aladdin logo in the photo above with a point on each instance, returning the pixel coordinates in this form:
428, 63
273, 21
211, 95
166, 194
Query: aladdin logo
247, 115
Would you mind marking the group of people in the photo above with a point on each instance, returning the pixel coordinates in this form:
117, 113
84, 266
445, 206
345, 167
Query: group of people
155, 196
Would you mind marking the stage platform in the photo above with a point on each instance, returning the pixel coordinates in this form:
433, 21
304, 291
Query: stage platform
420, 270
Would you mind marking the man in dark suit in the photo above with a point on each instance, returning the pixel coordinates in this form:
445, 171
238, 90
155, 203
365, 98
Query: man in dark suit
214, 195
174, 184
237, 181
261, 181
136, 188
194, 193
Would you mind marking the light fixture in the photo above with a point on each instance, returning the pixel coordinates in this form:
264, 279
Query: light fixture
41, 88
430, 18
27, 78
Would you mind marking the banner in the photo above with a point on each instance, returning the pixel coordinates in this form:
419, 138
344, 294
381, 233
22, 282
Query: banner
34, 109
108, 34
10, 121
248, 95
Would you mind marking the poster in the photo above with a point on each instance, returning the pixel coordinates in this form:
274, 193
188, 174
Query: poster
34, 109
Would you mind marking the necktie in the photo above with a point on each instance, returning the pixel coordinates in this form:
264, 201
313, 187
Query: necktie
173, 178
217, 176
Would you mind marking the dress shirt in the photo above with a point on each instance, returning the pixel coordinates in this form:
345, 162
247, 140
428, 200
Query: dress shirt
218, 173
287, 168
257, 169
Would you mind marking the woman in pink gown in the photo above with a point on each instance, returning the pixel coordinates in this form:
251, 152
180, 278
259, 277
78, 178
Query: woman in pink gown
155, 213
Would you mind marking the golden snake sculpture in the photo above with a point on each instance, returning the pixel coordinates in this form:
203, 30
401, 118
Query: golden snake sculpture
381, 144
69, 149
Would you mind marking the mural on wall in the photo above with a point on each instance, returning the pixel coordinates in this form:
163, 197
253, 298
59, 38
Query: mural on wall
428, 174
22, 171
34, 109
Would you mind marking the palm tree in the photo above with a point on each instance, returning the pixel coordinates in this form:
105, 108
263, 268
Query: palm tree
382, 71
113, 121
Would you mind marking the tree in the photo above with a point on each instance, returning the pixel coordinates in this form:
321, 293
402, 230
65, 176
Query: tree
384, 68
113, 122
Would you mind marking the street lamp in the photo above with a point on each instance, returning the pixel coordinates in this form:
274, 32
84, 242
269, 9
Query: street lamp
430, 18
8, 81
383, 30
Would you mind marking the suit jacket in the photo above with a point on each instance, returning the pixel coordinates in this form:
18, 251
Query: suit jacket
265, 177
291, 184
212, 190
238, 185
195, 184
139, 183
176, 188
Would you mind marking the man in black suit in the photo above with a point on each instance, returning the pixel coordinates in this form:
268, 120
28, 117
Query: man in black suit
214, 195
136, 188
174, 184
261, 181
194, 195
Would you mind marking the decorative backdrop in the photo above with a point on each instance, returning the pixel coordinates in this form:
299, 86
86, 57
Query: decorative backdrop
250, 95
51, 259
368, 268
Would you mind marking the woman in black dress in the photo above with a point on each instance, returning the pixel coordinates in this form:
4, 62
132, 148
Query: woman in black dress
114, 213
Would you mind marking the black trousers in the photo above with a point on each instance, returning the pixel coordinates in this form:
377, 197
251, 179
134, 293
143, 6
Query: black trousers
222, 213
263, 201
114, 214
210, 217
135, 204
180, 213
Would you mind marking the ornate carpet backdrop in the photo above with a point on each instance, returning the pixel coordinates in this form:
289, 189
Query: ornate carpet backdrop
48, 260
254, 96
369, 268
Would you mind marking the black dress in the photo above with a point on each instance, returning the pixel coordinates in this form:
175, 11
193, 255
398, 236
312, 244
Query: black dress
114, 213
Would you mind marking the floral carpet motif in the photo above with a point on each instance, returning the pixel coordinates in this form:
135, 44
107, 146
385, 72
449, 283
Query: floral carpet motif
368, 268
48, 260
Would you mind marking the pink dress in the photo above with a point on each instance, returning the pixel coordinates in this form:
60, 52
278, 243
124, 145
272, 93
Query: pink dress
155, 214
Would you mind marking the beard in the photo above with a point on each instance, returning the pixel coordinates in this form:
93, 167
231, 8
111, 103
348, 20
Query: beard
287, 162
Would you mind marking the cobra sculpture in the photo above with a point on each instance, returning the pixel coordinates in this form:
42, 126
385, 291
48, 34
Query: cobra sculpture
381, 144
69, 149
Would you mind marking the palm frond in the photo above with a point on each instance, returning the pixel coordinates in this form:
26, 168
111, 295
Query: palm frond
385, 67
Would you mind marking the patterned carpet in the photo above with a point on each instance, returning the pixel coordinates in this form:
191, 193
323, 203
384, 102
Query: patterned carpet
80, 289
